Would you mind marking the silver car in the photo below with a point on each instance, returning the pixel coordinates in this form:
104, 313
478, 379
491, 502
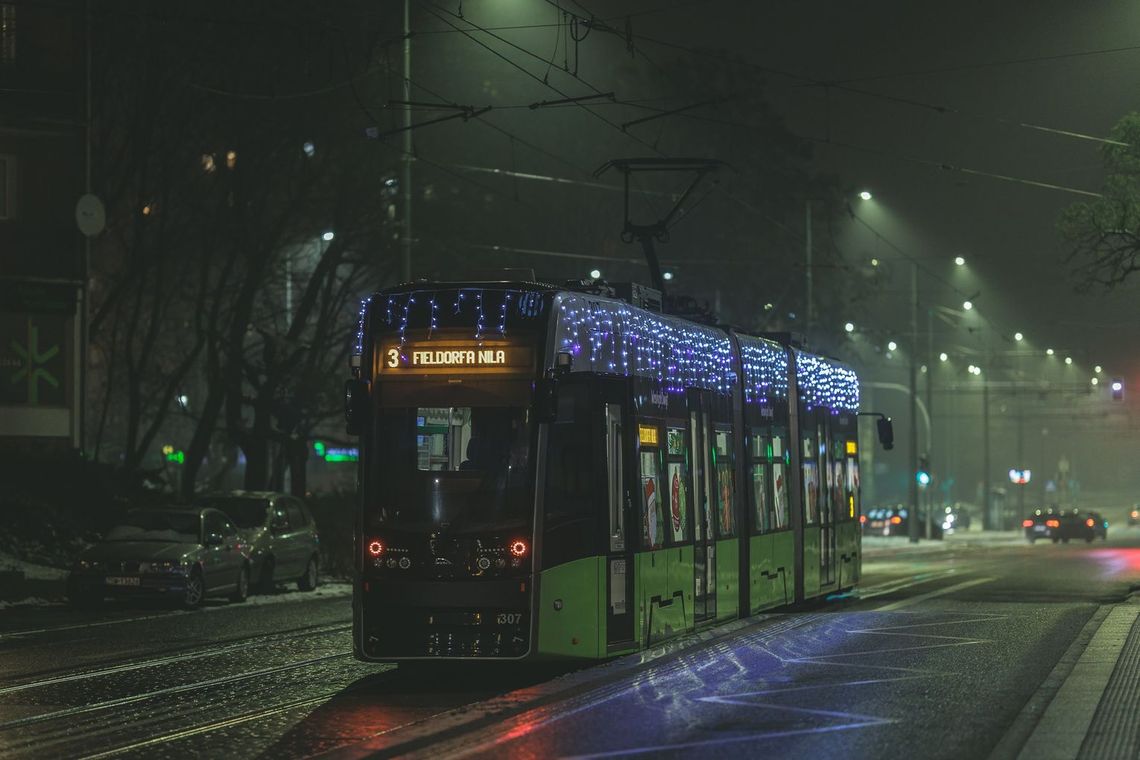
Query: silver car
180, 554
281, 532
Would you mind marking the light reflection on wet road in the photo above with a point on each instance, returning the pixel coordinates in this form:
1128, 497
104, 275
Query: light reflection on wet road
938, 641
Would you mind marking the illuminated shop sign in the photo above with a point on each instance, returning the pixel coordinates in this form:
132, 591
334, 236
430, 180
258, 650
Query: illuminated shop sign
453, 356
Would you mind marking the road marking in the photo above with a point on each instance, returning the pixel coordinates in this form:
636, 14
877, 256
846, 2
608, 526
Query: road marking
890, 587
932, 594
15, 634
1062, 729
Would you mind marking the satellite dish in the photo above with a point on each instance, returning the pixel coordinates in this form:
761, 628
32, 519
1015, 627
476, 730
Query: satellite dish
90, 215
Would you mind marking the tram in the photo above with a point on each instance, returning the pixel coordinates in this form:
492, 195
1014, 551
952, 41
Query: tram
554, 473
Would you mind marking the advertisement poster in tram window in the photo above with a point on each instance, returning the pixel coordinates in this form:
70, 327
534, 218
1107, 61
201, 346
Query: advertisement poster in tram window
760, 496
724, 490
676, 442
811, 491
652, 530
837, 497
678, 501
780, 494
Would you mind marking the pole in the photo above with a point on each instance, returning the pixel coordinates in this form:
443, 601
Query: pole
989, 518
913, 521
807, 266
929, 363
1020, 457
406, 181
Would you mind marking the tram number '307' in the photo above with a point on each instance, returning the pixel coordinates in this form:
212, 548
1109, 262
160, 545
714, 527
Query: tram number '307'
508, 618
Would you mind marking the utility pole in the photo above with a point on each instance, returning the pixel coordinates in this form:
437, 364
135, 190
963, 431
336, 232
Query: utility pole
989, 518
406, 181
808, 267
913, 475
929, 363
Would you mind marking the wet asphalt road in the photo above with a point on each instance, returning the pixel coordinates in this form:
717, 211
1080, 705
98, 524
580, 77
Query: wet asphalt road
935, 657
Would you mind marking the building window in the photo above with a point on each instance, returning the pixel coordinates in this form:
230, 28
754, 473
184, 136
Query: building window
7, 33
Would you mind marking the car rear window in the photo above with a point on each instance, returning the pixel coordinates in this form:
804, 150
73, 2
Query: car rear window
244, 512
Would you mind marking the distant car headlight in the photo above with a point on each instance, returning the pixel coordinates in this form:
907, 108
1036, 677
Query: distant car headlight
163, 566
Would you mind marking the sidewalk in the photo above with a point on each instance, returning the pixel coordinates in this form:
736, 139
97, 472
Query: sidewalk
879, 545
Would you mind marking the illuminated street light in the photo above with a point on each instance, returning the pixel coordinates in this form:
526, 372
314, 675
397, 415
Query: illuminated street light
874, 262
667, 276
892, 346
1049, 352
1095, 381
328, 236
967, 305
849, 327
1098, 369
1018, 337
959, 261
943, 356
595, 273
970, 369
1068, 360
865, 195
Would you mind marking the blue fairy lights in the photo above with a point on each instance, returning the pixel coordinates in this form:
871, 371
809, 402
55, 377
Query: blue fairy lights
824, 383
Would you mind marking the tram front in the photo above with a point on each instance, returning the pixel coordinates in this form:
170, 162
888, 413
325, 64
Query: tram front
443, 401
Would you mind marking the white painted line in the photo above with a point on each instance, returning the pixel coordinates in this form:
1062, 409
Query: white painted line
902, 603
1062, 729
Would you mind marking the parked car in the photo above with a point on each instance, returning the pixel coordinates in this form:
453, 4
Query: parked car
281, 532
176, 553
894, 521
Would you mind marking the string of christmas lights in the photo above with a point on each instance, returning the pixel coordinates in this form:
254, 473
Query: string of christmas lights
765, 370
824, 383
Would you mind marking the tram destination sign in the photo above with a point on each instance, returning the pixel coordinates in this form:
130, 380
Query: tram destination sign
456, 357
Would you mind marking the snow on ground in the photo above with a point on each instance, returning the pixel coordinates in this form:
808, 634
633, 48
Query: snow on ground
32, 571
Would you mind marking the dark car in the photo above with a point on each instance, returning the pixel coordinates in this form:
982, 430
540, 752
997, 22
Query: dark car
1043, 523
180, 554
281, 533
1080, 524
894, 521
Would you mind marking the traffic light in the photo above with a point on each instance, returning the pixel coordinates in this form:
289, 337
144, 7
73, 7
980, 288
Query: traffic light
1117, 389
923, 474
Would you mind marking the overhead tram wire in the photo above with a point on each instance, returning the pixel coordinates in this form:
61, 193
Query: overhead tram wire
436, 12
805, 80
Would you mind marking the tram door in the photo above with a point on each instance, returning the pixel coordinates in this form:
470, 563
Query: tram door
704, 549
619, 540
828, 509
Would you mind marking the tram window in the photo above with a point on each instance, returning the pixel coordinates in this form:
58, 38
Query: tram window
725, 483
678, 484
811, 481
452, 465
779, 481
573, 491
761, 481
652, 525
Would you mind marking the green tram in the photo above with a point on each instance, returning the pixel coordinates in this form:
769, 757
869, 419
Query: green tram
552, 473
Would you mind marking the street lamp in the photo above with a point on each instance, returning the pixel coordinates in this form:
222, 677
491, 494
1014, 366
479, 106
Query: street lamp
892, 346
667, 276
1068, 360
328, 236
1018, 337
967, 305
849, 327
1098, 369
959, 261
866, 195
943, 356
595, 273
1049, 352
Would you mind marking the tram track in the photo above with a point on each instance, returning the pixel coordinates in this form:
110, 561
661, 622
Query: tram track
213, 649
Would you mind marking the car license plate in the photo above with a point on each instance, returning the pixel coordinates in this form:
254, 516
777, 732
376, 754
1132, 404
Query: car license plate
122, 581
1039, 528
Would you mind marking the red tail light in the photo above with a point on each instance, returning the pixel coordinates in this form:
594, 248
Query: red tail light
518, 548
1053, 523
896, 520
862, 518
1027, 523
1089, 522
375, 548
1135, 514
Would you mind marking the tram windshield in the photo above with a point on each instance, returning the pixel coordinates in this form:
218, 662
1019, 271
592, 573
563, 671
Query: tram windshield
460, 468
